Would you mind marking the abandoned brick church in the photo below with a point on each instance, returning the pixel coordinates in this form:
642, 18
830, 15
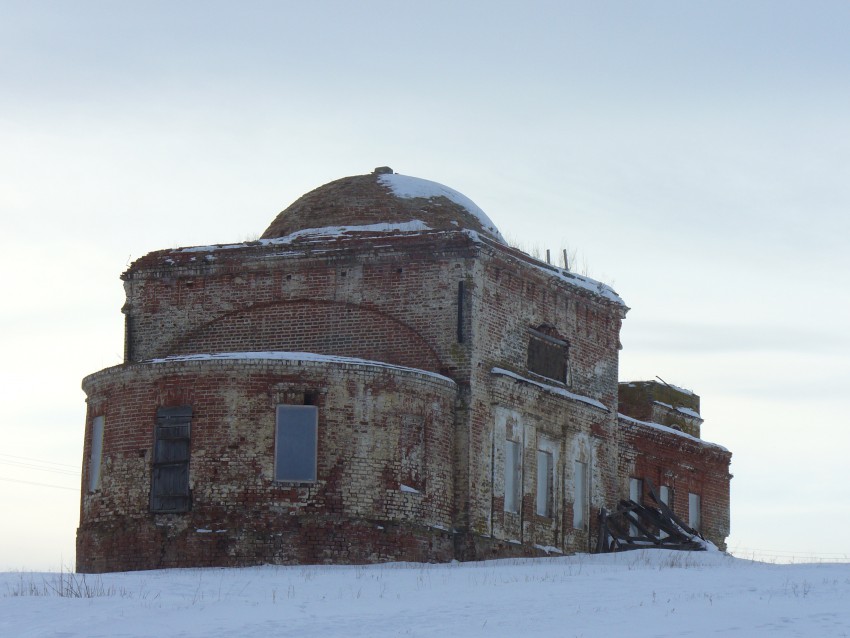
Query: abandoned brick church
379, 377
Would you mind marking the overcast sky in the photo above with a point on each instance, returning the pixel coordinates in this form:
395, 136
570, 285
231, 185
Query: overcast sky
695, 154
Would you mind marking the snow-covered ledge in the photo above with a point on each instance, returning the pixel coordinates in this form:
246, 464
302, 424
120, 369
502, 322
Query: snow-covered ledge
669, 430
551, 389
295, 357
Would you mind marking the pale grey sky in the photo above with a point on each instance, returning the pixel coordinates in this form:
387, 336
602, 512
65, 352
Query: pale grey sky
695, 154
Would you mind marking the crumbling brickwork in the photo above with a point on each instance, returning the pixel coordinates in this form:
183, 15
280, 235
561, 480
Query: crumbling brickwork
360, 508
683, 464
661, 403
464, 397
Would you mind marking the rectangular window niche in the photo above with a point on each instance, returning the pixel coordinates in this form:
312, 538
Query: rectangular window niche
513, 476
694, 511
96, 453
170, 481
296, 443
665, 493
545, 468
548, 356
636, 495
580, 505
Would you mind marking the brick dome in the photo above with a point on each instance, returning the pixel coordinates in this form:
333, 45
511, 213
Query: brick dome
382, 197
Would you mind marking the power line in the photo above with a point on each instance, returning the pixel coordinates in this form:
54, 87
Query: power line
58, 487
31, 466
27, 458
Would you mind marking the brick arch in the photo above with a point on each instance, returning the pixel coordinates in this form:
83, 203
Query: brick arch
550, 331
322, 327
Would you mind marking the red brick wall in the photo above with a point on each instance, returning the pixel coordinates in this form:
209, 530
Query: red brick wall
683, 463
355, 512
392, 299
396, 302
323, 327
512, 295
572, 431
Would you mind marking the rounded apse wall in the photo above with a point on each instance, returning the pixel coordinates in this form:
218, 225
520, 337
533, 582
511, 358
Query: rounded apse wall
248, 458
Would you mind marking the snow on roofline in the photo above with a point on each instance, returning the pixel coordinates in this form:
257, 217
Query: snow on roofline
668, 430
551, 388
594, 286
408, 228
294, 356
413, 226
657, 382
683, 410
679, 389
408, 187
580, 281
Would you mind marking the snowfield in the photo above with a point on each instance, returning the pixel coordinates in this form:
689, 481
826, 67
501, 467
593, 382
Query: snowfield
633, 594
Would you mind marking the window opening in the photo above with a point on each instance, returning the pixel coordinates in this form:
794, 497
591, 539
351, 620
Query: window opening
513, 476
412, 450
694, 511
666, 496
548, 356
296, 443
545, 469
580, 504
96, 453
460, 296
636, 495
170, 483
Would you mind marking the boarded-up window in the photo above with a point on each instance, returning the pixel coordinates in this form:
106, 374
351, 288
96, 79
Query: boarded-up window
96, 453
170, 482
513, 476
545, 469
580, 504
694, 511
548, 356
296, 441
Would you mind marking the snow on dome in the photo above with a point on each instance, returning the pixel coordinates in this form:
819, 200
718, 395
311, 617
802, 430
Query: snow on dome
382, 198
412, 187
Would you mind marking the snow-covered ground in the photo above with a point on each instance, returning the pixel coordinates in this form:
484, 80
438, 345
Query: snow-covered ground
634, 594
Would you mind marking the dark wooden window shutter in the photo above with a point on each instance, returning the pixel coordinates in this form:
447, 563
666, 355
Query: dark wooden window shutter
548, 356
170, 480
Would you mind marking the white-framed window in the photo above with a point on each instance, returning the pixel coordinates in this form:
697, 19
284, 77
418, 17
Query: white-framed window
96, 453
582, 495
694, 511
545, 471
296, 443
513, 476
